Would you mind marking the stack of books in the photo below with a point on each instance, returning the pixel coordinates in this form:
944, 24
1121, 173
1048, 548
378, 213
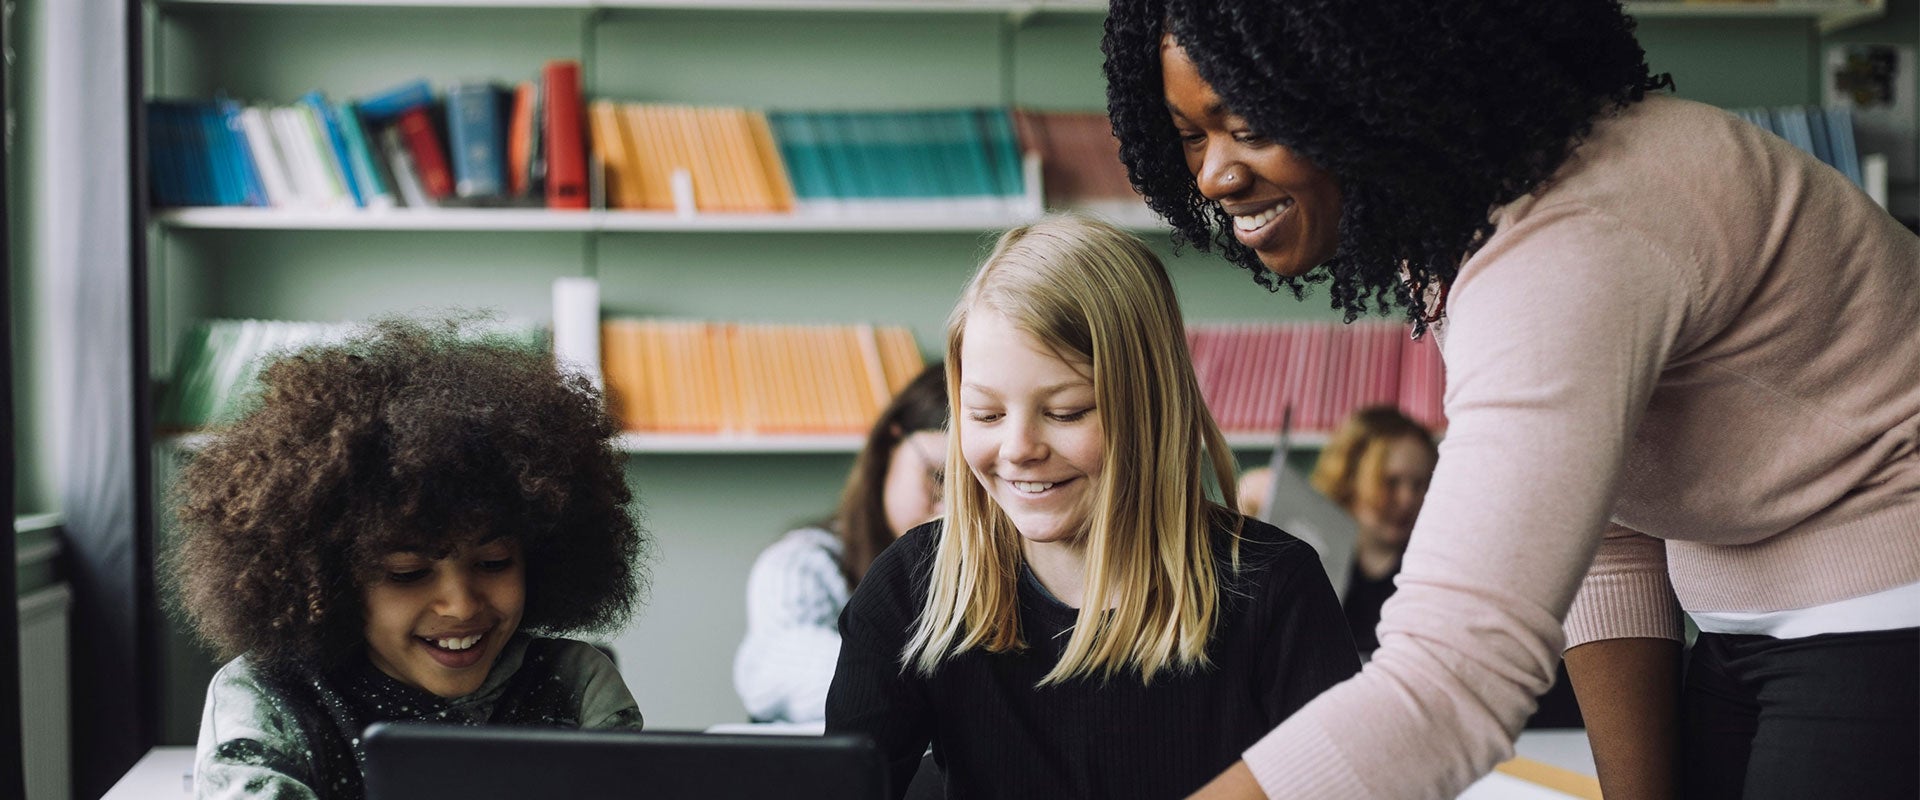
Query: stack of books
1253, 375
1080, 163
480, 145
668, 376
538, 144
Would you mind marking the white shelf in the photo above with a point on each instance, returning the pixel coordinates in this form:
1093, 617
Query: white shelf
698, 443
643, 443
1829, 14
1015, 8
1264, 440
896, 220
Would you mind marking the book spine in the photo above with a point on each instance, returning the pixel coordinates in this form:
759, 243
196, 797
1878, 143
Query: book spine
520, 140
406, 177
566, 146
473, 133
266, 158
336, 144
338, 186
242, 154
416, 128
386, 106
366, 171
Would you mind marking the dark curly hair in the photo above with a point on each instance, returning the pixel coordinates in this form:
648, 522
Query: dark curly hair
1428, 113
407, 434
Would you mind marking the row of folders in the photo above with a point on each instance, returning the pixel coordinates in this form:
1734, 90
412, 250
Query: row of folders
673, 376
539, 143
1310, 376
702, 377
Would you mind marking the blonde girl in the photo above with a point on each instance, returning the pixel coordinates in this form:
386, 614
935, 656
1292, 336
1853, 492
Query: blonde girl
1090, 619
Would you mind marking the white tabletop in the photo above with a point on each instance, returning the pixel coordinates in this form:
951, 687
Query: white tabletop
164, 773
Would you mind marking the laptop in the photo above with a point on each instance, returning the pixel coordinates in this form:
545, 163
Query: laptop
420, 761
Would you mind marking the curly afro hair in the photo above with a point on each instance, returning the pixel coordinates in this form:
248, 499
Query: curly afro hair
1429, 113
405, 435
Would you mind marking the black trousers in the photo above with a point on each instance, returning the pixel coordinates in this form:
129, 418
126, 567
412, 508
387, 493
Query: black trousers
1836, 715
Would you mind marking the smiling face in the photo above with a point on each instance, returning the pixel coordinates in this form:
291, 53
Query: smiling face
1386, 512
1029, 429
438, 624
1284, 208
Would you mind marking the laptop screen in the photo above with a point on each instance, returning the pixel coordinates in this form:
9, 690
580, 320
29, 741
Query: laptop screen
416, 761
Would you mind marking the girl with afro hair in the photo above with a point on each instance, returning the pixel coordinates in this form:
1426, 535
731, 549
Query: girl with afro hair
391, 534
1683, 376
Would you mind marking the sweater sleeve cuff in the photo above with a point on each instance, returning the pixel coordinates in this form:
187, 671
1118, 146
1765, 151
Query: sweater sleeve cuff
1624, 606
1299, 760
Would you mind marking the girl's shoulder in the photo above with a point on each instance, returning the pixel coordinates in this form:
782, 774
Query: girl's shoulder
810, 543
1269, 558
251, 729
910, 557
896, 584
596, 696
804, 556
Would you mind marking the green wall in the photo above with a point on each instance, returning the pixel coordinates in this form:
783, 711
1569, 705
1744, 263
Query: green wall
709, 514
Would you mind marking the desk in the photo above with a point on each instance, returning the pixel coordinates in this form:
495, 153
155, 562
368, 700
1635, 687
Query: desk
163, 773
1548, 765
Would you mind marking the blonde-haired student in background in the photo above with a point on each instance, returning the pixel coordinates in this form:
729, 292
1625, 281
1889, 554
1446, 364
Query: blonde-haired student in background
800, 583
1085, 622
1376, 466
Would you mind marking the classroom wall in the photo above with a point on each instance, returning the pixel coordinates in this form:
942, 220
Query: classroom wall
37, 380
708, 514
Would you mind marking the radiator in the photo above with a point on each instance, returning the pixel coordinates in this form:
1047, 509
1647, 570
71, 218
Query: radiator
43, 693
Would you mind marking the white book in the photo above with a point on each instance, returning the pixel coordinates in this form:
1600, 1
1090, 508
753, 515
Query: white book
266, 158
317, 189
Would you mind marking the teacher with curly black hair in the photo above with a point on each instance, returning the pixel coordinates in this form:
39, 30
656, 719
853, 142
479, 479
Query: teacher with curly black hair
1683, 366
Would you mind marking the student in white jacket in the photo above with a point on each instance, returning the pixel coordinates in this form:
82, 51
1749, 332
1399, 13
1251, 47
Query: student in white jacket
800, 583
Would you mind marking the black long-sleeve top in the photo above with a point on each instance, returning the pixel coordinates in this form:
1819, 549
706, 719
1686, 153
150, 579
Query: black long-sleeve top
1280, 640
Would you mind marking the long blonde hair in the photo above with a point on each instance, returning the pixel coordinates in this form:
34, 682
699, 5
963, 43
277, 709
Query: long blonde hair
1094, 293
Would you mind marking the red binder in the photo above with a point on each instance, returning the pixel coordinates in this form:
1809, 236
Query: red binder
566, 144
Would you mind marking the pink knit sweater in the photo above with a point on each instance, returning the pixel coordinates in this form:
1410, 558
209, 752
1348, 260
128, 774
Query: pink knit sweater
1692, 361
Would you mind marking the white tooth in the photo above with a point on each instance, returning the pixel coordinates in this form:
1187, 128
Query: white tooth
1032, 487
1253, 222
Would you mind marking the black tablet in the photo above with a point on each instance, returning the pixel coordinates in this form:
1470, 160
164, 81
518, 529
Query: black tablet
418, 761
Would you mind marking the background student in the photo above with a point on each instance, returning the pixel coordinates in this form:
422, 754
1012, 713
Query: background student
383, 538
1681, 365
1084, 622
1377, 467
800, 583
